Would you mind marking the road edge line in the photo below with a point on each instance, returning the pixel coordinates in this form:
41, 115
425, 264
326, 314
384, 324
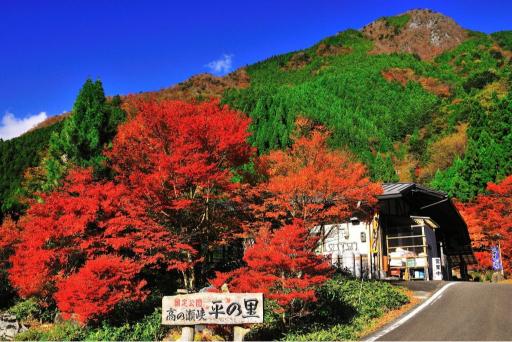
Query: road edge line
410, 314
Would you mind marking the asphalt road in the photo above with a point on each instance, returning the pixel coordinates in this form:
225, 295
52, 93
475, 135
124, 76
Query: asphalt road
464, 311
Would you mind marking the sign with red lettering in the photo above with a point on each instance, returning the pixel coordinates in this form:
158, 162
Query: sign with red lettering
212, 308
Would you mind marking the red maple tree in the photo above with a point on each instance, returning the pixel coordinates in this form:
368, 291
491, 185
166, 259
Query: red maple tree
283, 265
79, 228
489, 219
98, 286
180, 159
9, 237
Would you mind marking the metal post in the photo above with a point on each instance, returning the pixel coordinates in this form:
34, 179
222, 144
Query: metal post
426, 269
444, 266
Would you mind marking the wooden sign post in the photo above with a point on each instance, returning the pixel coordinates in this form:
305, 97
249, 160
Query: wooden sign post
188, 310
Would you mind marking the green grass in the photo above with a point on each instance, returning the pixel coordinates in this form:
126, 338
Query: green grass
25, 309
148, 329
369, 300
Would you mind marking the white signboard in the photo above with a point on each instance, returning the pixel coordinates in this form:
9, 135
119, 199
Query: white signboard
344, 237
212, 308
436, 269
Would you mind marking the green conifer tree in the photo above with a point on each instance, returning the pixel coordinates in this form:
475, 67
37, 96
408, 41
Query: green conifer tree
92, 124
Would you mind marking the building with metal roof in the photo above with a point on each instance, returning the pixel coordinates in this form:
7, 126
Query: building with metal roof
417, 221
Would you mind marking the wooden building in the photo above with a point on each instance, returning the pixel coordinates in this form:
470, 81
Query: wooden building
415, 234
421, 235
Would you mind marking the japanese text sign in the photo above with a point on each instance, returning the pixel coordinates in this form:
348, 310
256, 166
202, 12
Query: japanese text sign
212, 308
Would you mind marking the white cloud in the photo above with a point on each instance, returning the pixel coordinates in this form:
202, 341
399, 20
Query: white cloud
11, 127
222, 65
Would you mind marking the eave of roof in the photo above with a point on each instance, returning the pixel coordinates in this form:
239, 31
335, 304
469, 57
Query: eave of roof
397, 190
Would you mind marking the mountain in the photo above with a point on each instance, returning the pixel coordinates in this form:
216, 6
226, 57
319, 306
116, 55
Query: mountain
415, 96
421, 32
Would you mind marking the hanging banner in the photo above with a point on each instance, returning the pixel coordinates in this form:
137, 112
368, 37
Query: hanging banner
496, 258
374, 234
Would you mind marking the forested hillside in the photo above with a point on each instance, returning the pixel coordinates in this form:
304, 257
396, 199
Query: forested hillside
415, 97
36, 161
441, 120
16, 156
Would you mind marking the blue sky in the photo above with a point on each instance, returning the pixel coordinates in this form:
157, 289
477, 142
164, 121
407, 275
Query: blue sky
48, 48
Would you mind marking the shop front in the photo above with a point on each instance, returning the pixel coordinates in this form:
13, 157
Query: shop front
421, 234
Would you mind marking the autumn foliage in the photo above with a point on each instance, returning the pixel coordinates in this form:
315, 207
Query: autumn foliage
304, 186
93, 244
78, 230
180, 159
312, 183
99, 286
489, 219
175, 193
281, 264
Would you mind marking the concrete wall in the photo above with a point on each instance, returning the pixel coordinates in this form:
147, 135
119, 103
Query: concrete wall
343, 237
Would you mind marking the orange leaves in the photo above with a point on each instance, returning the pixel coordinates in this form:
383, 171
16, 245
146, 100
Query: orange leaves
503, 189
174, 153
315, 184
9, 234
181, 145
305, 185
172, 206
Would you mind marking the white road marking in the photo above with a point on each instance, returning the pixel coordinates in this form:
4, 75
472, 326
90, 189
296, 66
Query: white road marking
435, 300
411, 314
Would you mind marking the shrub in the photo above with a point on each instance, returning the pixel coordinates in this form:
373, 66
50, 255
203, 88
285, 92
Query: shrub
99, 286
504, 39
398, 22
86, 232
288, 275
66, 331
368, 298
480, 80
148, 329
25, 309
271, 326
345, 307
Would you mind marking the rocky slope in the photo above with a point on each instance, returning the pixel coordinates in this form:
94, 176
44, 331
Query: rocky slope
421, 32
